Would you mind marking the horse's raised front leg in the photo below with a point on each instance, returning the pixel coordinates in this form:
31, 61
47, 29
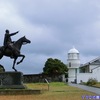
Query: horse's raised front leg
23, 56
14, 64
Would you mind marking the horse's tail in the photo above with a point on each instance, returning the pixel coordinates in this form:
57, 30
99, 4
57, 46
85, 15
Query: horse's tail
1, 51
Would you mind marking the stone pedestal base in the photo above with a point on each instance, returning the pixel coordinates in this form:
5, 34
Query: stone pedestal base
12, 80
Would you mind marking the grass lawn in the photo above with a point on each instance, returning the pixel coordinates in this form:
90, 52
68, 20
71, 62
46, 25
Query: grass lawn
57, 91
97, 85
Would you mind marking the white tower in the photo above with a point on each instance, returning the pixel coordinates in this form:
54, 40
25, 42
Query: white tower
73, 62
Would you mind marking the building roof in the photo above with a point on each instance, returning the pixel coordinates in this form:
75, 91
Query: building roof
73, 50
94, 61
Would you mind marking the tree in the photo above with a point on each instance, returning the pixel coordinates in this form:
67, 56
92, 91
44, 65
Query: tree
2, 68
54, 66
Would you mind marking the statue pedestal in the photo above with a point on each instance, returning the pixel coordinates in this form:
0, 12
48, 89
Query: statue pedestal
11, 80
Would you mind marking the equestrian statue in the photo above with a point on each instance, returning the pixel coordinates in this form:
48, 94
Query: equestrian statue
12, 48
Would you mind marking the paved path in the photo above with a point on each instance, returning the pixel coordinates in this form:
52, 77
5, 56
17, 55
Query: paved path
87, 88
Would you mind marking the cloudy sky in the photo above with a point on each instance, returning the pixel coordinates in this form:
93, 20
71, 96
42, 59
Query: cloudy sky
54, 27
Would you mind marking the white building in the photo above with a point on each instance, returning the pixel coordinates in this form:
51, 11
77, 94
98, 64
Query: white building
73, 62
81, 73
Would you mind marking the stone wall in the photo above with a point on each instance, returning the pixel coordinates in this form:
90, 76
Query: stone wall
33, 78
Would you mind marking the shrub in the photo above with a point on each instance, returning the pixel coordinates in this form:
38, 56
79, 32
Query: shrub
91, 81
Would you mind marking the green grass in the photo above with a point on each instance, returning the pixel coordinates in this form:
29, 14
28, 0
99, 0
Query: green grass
57, 91
97, 85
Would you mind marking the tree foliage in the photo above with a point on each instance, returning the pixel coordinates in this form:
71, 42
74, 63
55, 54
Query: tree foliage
54, 66
2, 68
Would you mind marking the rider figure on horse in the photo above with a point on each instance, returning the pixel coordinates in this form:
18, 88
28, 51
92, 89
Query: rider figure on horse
8, 43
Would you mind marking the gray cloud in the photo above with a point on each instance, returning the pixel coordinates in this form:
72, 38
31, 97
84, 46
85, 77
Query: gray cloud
53, 27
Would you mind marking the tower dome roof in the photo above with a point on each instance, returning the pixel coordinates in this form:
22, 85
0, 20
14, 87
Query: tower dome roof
73, 50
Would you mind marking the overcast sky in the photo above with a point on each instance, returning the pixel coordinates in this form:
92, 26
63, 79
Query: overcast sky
54, 27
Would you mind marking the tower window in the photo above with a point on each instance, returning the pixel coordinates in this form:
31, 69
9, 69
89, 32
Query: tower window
69, 64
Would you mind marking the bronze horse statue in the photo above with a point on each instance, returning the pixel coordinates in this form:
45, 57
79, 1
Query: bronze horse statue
16, 46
